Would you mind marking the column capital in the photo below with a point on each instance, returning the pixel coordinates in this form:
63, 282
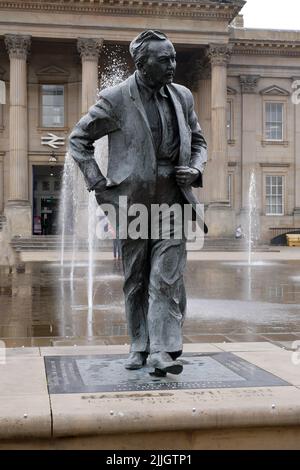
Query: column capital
249, 83
219, 54
17, 45
89, 48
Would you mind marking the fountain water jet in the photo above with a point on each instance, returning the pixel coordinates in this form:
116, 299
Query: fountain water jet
92, 207
113, 74
253, 220
66, 209
253, 228
75, 220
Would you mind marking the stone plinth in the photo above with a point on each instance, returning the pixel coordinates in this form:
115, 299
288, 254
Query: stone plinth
244, 415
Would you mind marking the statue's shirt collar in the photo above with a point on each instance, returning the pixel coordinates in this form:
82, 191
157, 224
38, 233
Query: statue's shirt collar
147, 91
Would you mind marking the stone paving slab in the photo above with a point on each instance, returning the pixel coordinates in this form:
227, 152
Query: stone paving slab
278, 362
23, 376
83, 350
22, 352
117, 349
200, 348
251, 346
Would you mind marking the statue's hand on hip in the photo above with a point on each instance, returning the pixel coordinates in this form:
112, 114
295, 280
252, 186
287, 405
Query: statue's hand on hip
186, 176
100, 186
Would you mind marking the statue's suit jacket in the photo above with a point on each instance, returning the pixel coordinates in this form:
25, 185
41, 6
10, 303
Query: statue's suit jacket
120, 114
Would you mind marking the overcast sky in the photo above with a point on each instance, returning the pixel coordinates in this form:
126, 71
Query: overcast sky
275, 14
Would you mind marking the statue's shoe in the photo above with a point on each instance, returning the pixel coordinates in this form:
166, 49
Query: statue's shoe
163, 364
136, 360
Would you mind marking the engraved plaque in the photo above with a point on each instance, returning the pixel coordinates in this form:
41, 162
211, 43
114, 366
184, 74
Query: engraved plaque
91, 374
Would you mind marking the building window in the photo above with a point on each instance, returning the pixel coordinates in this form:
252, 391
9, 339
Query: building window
274, 195
229, 120
274, 121
53, 105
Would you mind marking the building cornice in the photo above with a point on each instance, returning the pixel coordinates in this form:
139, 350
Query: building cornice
205, 9
266, 48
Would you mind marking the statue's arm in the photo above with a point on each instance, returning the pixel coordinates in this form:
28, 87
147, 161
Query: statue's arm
99, 121
198, 146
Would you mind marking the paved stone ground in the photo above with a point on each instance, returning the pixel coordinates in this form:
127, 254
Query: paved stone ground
228, 301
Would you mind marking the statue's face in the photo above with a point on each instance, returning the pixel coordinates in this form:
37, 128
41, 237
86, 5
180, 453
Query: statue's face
159, 67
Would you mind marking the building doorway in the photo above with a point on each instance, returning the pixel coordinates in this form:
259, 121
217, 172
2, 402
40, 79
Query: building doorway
47, 181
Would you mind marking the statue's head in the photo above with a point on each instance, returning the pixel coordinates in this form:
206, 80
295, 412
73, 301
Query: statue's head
154, 57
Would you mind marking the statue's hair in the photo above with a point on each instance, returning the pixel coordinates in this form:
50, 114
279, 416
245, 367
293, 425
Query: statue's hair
139, 46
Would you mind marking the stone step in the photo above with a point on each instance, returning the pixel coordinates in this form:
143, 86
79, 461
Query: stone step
53, 242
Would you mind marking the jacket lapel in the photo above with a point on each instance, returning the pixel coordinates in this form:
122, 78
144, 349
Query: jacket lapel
184, 133
184, 159
135, 96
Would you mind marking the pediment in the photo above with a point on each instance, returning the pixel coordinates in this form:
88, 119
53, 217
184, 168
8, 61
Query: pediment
274, 90
52, 71
231, 91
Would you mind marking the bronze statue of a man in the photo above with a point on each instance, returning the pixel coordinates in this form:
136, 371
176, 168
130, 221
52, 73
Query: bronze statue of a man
157, 152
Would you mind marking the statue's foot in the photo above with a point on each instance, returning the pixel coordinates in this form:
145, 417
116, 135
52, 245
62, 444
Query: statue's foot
163, 364
136, 360
158, 373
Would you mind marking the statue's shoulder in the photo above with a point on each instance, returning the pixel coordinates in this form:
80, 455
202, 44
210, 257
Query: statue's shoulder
111, 100
183, 92
113, 93
110, 93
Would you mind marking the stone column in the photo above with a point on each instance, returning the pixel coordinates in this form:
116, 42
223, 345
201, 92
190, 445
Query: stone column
219, 57
18, 209
249, 128
219, 217
198, 80
204, 114
89, 50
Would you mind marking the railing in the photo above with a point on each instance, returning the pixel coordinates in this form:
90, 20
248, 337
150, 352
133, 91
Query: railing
277, 231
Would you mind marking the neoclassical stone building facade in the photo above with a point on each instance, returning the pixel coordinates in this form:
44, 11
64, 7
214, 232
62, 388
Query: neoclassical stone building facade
245, 82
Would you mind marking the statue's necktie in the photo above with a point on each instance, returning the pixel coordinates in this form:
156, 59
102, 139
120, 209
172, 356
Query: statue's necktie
160, 117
